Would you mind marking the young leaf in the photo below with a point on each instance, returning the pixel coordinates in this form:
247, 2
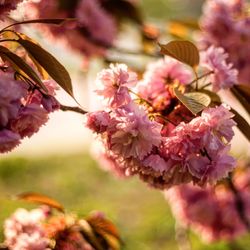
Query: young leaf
242, 93
42, 199
39, 68
242, 124
183, 51
89, 234
54, 68
213, 96
194, 101
20, 65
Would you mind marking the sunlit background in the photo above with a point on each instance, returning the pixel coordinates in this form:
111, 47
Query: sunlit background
56, 161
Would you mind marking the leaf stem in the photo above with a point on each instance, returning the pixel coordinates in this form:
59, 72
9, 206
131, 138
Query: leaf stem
200, 77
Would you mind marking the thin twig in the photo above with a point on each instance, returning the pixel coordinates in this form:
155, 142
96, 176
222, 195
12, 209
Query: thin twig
200, 77
73, 109
136, 53
165, 119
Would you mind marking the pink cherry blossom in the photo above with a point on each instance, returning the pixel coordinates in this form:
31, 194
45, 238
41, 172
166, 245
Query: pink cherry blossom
157, 78
98, 121
209, 211
113, 85
107, 160
23, 230
8, 140
48, 101
6, 6
224, 76
225, 24
198, 146
11, 92
88, 35
92, 17
220, 120
29, 120
136, 134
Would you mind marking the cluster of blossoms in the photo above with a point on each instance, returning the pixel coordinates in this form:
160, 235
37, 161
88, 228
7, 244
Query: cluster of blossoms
226, 24
213, 212
6, 6
24, 230
88, 34
40, 229
151, 134
23, 109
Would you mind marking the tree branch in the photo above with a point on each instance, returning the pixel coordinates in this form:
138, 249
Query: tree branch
73, 109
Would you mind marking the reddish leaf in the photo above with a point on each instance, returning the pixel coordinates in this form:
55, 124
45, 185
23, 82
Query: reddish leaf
40, 198
20, 65
102, 225
54, 68
183, 51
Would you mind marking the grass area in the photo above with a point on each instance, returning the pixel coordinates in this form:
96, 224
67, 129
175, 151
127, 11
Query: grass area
141, 214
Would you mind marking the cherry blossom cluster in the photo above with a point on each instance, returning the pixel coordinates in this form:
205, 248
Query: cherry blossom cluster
88, 34
40, 229
6, 6
24, 230
23, 109
145, 130
213, 212
226, 24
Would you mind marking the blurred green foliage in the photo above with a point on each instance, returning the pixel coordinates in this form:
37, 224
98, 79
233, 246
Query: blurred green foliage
167, 9
141, 213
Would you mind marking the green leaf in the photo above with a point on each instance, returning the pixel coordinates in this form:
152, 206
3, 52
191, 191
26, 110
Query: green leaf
54, 68
183, 51
41, 199
242, 124
242, 93
213, 96
194, 101
21, 66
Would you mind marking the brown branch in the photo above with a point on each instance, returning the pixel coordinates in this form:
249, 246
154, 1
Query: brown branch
135, 53
73, 109
239, 204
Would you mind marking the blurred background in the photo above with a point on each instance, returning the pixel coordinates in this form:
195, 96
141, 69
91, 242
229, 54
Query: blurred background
56, 161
